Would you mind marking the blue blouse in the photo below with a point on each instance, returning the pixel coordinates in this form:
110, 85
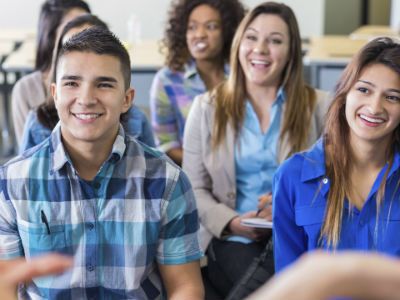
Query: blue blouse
300, 192
256, 157
134, 122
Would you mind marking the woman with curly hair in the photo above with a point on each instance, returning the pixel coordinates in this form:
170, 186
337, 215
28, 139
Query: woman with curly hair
198, 41
237, 135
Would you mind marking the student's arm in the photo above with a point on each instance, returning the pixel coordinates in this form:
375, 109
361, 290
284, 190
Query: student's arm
289, 239
182, 281
10, 241
179, 251
214, 214
163, 116
321, 276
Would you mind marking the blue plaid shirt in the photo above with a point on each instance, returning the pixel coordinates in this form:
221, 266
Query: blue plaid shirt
138, 211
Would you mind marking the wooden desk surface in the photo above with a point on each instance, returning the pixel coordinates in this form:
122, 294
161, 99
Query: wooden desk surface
372, 31
332, 49
145, 56
6, 47
23, 59
17, 35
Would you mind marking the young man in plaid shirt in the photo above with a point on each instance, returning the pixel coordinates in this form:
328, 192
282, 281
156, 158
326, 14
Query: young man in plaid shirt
124, 212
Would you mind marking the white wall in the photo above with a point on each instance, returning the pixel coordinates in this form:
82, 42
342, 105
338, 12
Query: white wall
395, 15
151, 14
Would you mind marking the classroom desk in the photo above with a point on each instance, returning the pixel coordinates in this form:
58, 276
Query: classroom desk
373, 31
17, 35
327, 56
146, 60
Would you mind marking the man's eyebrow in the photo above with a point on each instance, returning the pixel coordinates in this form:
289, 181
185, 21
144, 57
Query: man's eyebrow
71, 77
106, 78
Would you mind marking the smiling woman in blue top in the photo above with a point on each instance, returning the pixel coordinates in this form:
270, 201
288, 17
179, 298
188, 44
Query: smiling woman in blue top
237, 135
198, 41
344, 192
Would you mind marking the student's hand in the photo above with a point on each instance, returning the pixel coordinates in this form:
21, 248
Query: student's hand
13, 272
265, 206
255, 234
321, 275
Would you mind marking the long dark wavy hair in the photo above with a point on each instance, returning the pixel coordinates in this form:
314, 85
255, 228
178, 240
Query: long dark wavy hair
231, 11
50, 18
338, 158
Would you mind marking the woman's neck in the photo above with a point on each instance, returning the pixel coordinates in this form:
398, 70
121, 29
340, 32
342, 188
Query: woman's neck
211, 72
262, 99
367, 155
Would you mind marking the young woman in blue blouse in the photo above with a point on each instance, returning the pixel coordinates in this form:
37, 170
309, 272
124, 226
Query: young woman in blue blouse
344, 192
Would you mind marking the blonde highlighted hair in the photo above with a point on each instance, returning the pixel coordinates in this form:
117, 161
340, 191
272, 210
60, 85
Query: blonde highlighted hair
230, 96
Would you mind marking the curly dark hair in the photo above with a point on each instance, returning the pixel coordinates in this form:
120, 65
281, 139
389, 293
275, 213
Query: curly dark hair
231, 11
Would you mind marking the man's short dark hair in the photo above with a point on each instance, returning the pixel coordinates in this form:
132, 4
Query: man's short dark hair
101, 41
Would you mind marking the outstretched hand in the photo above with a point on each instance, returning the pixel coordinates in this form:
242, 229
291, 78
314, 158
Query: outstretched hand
19, 270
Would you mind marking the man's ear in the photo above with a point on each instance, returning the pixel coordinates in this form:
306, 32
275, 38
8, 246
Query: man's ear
128, 99
53, 91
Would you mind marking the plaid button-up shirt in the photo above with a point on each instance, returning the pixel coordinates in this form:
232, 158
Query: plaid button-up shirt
171, 96
138, 211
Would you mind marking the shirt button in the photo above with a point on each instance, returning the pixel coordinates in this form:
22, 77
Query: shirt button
90, 226
90, 268
325, 180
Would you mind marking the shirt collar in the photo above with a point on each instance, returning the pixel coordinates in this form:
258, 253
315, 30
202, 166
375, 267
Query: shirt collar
60, 156
190, 69
314, 162
280, 96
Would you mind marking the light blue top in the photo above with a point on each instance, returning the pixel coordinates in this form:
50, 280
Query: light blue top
134, 122
300, 192
256, 157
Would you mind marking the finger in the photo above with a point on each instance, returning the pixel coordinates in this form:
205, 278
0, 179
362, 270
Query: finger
264, 200
40, 266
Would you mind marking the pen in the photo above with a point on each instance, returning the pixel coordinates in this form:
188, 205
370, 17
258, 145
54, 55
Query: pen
44, 220
260, 209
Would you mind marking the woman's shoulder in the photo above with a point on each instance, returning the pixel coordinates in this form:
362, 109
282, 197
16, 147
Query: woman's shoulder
33, 82
311, 159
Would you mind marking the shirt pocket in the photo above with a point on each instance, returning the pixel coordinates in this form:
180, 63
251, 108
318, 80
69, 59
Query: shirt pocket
390, 233
39, 238
310, 218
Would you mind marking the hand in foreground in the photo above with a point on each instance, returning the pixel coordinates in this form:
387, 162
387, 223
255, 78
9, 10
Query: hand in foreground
19, 270
321, 275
